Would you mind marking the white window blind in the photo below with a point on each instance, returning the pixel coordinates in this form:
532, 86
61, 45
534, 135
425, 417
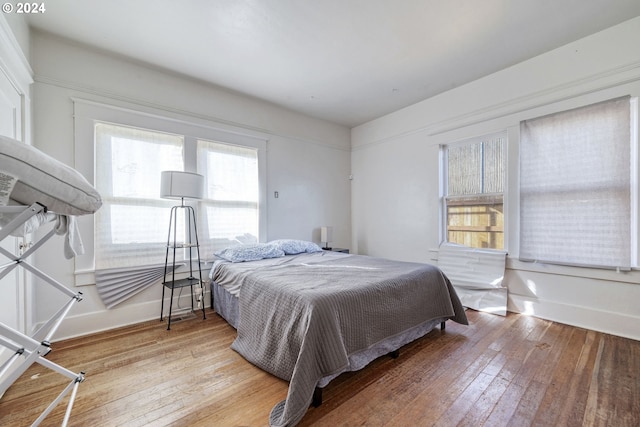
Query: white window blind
229, 212
131, 227
575, 186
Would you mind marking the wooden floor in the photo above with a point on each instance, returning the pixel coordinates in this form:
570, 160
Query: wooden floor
513, 371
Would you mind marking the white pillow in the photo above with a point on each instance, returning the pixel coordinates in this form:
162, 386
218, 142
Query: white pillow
37, 177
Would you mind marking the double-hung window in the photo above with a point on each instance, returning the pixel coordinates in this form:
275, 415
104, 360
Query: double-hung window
131, 226
576, 186
229, 211
126, 239
473, 191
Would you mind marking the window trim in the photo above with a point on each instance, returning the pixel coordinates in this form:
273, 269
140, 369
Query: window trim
635, 181
87, 112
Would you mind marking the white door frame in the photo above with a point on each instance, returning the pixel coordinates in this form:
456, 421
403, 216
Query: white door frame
16, 78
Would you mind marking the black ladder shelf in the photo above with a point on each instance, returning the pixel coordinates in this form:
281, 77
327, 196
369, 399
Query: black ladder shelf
191, 242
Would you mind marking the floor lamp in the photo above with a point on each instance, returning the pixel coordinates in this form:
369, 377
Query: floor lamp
182, 185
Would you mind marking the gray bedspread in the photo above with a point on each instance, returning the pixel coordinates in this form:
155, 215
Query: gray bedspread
302, 316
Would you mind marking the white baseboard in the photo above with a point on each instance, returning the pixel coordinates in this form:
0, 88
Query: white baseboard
90, 323
619, 324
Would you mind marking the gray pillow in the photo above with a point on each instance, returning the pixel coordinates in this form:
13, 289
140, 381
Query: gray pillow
40, 178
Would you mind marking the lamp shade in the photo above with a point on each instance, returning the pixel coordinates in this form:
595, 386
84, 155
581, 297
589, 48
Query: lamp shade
178, 185
326, 234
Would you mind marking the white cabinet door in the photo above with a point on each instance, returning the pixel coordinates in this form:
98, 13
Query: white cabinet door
12, 289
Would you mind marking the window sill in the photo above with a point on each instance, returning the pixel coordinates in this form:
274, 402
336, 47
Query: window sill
632, 276
84, 277
88, 277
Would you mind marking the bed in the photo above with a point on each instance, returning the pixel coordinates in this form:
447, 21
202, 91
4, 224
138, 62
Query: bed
306, 315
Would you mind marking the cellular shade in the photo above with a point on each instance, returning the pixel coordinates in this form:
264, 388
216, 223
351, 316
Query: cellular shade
116, 285
575, 189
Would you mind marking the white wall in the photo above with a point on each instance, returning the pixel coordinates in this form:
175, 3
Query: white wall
395, 160
19, 32
308, 160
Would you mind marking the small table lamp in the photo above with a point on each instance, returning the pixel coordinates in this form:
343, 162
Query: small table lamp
326, 236
181, 185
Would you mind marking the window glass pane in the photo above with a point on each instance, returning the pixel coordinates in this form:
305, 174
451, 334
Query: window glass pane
145, 224
130, 160
223, 223
232, 171
465, 170
476, 168
493, 165
476, 223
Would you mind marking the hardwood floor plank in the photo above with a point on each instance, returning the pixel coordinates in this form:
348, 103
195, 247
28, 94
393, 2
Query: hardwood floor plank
591, 411
538, 361
616, 377
498, 371
484, 405
572, 413
556, 396
457, 410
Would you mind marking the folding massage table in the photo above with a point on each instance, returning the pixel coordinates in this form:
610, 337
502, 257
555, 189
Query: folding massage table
36, 189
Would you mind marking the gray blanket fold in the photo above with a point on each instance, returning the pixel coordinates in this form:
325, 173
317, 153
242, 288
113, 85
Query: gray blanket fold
300, 319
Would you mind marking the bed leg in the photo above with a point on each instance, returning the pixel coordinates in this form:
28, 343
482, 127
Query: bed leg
442, 325
317, 397
395, 354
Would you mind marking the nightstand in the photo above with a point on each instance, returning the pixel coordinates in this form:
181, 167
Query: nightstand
343, 250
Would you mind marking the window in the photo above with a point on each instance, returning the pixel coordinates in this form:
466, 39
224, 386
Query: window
125, 241
130, 227
229, 211
575, 186
473, 177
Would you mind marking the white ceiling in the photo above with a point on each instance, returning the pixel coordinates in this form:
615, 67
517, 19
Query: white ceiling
346, 61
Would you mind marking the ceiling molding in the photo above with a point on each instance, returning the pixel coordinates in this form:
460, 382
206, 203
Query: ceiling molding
594, 83
607, 79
